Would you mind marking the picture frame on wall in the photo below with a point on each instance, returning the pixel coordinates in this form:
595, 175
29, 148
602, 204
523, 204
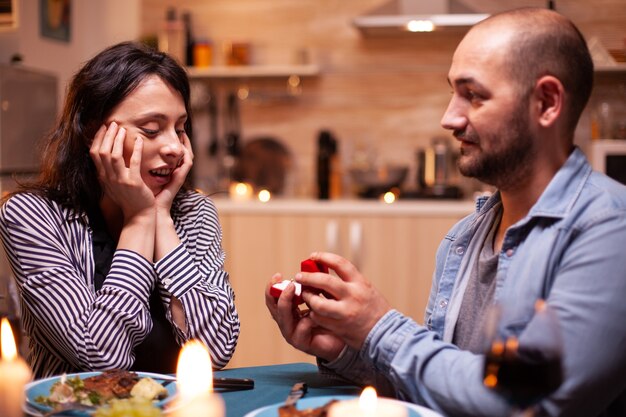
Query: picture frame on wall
55, 19
8, 14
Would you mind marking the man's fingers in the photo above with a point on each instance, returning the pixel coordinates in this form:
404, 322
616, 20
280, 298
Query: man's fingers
323, 306
342, 267
331, 286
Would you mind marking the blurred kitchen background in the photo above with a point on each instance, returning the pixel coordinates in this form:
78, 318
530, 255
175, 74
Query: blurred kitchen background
311, 100
379, 93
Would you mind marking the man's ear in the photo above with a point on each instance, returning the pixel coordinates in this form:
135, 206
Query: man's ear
549, 97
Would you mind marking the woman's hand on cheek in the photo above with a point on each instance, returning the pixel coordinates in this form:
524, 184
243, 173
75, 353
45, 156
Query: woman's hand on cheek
166, 196
122, 184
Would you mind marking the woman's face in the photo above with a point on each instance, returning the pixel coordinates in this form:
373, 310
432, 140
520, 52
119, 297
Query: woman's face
155, 112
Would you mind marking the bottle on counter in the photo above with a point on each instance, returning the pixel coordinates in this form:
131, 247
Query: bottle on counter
328, 172
189, 39
172, 36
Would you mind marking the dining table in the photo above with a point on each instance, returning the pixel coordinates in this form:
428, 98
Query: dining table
272, 384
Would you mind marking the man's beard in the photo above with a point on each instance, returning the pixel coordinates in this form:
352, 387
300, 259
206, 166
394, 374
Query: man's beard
509, 160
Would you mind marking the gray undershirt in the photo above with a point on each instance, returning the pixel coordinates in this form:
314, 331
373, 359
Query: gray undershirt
478, 296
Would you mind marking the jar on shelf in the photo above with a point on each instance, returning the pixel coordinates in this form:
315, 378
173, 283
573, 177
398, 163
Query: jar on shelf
238, 53
203, 53
608, 113
619, 116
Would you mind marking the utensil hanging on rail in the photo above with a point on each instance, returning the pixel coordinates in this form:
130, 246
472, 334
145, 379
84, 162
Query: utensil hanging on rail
213, 135
233, 125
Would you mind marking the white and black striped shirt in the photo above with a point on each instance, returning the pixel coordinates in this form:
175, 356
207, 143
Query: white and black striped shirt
74, 328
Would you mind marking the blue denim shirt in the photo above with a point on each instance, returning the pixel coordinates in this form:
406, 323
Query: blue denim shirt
570, 250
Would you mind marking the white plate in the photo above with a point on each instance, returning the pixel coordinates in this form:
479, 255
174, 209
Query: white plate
42, 387
314, 402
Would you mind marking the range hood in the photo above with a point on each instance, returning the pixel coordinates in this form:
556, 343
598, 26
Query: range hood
406, 16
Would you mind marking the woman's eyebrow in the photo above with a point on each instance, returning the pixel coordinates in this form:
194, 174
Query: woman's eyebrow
157, 116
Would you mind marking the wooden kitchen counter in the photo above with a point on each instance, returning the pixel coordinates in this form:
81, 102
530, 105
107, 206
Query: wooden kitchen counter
393, 245
345, 206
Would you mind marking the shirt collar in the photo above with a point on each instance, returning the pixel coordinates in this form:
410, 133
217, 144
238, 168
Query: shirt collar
560, 194
564, 189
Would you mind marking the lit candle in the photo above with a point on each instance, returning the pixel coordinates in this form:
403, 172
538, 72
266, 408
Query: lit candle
264, 196
195, 397
368, 405
389, 197
14, 374
240, 191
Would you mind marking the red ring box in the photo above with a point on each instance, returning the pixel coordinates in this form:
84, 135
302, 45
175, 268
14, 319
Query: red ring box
308, 265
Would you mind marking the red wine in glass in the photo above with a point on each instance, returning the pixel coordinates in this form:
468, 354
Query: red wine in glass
523, 376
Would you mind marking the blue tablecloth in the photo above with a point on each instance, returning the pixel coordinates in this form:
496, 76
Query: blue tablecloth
273, 383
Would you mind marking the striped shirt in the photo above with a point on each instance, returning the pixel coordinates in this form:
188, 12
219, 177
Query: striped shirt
74, 328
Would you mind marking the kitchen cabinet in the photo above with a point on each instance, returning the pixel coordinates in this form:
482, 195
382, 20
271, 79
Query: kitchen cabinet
393, 245
618, 68
607, 104
252, 71
262, 83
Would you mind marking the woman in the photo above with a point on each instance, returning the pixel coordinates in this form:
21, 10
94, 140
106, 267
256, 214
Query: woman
117, 261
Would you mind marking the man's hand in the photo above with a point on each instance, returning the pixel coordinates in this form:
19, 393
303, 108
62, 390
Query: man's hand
297, 328
351, 307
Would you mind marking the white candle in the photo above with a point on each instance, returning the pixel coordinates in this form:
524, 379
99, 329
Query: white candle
14, 374
194, 375
368, 405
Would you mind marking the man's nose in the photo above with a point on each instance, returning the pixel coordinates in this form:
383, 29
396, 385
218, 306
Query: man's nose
454, 118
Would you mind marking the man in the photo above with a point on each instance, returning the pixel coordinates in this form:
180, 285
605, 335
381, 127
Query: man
554, 231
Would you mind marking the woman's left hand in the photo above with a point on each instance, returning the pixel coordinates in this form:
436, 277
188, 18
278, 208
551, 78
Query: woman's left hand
165, 198
123, 184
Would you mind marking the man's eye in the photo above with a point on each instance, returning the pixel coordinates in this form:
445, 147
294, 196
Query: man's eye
180, 132
473, 96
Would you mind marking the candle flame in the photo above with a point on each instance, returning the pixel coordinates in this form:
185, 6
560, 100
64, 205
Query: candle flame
264, 196
368, 399
194, 373
242, 189
420, 26
9, 349
389, 197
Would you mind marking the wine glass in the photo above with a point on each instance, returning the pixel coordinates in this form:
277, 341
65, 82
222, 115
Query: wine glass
523, 370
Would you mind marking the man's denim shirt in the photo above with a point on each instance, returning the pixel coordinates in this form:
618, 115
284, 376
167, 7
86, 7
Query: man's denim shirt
570, 250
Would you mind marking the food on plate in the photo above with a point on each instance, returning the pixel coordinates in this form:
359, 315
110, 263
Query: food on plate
102, 388
111, 384
129, 407
148, 389
308, 265
292, 411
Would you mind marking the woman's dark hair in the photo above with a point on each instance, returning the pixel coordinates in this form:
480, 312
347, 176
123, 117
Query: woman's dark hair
68, 174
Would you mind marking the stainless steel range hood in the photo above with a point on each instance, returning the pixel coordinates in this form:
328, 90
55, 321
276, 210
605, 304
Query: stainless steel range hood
406, 16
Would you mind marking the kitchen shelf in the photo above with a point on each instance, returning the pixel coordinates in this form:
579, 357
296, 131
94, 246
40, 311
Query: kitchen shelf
621, 67
253, 71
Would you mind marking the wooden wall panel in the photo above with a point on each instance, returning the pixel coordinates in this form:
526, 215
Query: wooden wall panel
384, 93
